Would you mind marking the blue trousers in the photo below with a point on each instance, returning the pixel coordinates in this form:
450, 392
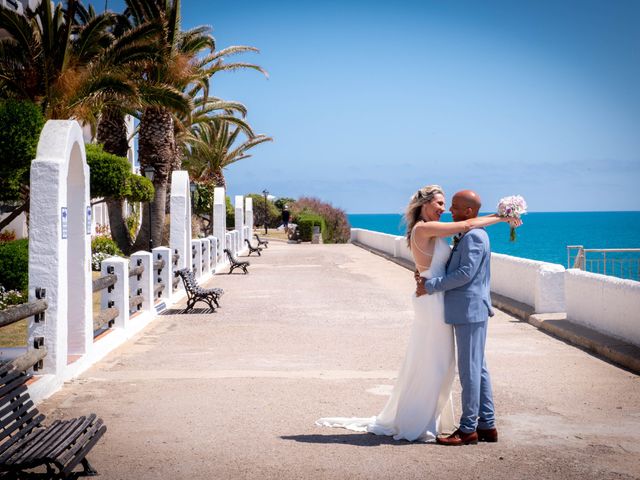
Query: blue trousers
477, 397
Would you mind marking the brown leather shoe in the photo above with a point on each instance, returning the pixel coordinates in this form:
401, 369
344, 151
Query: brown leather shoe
487, 435
459, 438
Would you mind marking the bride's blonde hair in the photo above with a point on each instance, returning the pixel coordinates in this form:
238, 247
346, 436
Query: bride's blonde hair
412, 214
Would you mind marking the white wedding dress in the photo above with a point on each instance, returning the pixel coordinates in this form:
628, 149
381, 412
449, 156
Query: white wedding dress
420, 405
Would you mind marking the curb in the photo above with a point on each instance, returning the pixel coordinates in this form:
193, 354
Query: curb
616, 351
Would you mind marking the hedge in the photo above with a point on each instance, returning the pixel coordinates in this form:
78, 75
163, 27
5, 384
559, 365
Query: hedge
306, 222
22, 123
14, 265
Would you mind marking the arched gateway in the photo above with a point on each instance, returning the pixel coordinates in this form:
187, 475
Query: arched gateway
60, 243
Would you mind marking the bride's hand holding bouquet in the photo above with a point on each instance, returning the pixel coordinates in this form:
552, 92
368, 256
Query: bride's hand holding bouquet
512, 208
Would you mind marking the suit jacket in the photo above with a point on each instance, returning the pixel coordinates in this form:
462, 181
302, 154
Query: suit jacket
466, 282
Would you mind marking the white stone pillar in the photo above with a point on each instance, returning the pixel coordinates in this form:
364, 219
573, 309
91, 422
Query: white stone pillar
228, 242
180, 231
118, 295
163, 276
143, 284
206, 263
60, 243
549, 289
213, 253
248, 213
240, 219
196, 257
219, 216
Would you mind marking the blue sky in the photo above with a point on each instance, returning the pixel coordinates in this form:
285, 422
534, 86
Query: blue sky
369, 101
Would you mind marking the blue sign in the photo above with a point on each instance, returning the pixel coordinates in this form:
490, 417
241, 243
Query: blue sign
89, 220
64, 216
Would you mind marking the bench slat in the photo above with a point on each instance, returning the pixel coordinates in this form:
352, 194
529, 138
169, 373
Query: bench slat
84, 451
37, 448
83, 436
23, 437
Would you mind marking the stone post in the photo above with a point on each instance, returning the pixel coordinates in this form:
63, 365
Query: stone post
165, 275
248, 214
240, 220
220, 219
206, 263
118, 295
196, 257
180, 231
143, 284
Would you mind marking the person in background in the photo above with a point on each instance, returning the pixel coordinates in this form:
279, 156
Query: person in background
286, 214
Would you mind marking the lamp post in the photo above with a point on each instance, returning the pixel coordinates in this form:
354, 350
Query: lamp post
266, 215
193, 187
150, 172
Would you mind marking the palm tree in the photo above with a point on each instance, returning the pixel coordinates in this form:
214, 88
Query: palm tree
188, 59
67, 61
214, 146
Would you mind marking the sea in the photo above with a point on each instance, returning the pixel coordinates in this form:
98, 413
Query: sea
543, 236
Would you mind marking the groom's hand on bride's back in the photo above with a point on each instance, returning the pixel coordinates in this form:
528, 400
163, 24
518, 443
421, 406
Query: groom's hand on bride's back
420, 290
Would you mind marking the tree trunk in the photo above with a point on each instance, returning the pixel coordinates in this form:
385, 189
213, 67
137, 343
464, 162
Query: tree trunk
112, 134
156, 147
218, 179
118, 225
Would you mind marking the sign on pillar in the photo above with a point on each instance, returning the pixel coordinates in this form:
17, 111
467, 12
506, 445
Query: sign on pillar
219, 217
180, 231
59, 245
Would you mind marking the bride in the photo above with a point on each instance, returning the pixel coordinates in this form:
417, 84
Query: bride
420, 405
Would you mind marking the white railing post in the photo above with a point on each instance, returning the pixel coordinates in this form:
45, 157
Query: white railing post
180, 231
143, 284
239, 211
206, 262
163, 276
213, 253
118, 295
219, 217
196, 257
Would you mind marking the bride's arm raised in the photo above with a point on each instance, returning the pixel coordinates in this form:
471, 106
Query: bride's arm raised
446, 229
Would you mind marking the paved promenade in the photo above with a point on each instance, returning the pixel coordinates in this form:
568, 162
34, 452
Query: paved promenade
320, 330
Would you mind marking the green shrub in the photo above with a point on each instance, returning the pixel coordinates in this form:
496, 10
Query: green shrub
111, 176
109, 173
306, 222
105, 245
14, 265
22, 123
139, 188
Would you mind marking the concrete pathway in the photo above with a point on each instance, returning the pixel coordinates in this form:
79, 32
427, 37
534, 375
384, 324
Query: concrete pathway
320, 330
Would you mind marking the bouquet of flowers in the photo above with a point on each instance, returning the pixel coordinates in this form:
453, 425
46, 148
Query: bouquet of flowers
513, 207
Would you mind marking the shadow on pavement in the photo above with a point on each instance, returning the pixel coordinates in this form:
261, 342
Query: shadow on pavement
357, 439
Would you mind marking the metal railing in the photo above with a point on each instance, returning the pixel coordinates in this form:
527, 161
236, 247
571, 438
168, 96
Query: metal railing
616, 262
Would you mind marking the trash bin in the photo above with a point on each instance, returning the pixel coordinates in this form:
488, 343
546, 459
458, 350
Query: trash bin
316, 237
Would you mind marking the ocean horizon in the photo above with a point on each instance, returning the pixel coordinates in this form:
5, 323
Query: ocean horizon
543, 236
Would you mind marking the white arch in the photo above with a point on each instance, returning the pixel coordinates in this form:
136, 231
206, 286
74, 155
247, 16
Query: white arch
60, 243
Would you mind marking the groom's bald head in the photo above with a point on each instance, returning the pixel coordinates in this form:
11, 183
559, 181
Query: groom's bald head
465, 204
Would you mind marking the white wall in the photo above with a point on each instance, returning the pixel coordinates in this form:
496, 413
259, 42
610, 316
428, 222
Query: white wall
538, 284
609, 305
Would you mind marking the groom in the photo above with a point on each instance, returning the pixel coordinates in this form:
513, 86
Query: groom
467, 306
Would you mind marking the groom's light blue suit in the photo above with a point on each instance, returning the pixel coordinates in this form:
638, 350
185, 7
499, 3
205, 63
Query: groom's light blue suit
467, 306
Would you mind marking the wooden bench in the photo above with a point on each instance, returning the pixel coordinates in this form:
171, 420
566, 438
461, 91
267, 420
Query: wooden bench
253, 249
235, 263
261, 242
195, 293
25, 443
